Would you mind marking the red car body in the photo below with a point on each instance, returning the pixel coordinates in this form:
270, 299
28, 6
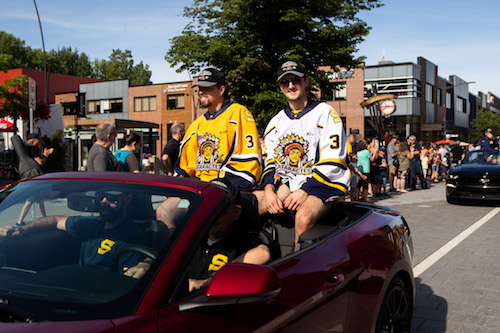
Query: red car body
341, 280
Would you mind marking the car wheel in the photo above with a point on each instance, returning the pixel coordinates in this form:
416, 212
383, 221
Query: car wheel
396, 310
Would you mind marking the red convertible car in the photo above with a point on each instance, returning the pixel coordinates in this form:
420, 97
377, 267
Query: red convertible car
352, 272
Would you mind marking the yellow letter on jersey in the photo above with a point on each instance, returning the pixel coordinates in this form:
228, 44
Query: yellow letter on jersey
335, 116
106, 246
218, 261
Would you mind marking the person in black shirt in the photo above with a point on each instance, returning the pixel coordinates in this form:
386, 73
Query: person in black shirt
415, 163
225, 243
171, 149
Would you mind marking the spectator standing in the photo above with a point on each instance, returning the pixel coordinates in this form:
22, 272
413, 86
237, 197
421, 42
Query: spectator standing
415, 164
392, 152
364, 157
404, 166
222, 143
126, 156
100, 158
171, 149
456, 153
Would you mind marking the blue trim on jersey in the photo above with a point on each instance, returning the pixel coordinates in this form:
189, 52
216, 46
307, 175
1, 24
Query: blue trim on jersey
240, 182
310, 105
332, 163
313, 187
227, 103
241, 171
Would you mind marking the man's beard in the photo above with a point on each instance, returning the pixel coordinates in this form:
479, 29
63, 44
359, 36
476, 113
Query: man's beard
110, 214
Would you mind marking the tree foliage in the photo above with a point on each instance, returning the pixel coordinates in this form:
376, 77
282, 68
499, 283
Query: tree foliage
120, 66
248, 39
484, 120
15, 54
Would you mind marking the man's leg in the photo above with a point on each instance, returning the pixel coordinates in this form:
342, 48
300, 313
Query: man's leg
309, 213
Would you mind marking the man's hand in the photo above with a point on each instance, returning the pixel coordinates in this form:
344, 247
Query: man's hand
11, 231
295, 200
48, 152
273, 202
197, 284
139, 270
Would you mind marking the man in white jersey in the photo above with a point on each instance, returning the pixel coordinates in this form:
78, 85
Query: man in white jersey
305, 169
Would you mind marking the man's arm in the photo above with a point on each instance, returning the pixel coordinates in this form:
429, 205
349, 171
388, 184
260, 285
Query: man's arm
49, 222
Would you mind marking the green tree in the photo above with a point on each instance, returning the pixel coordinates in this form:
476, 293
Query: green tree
484, 120
248, 40
13, 52
120, 66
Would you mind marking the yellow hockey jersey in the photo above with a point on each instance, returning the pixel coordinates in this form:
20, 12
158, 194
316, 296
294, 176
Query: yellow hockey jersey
224, 144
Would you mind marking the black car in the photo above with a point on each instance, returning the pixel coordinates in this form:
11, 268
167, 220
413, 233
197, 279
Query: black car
477, 177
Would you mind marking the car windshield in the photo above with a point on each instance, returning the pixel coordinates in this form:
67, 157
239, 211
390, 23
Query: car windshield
486, 157
109, 227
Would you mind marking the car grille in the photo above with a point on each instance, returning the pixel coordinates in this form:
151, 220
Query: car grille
477, 181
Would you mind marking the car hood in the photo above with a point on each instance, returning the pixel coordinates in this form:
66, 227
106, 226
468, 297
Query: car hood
472, 170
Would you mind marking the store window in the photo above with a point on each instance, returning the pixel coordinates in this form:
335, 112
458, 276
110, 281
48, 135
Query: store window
175, 102
145, 103
94, 107
428, 92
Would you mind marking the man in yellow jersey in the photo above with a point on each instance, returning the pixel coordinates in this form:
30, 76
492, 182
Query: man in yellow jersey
222, 143
305, 168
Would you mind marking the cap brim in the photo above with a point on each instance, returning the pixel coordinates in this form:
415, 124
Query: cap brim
204, 84
299, 74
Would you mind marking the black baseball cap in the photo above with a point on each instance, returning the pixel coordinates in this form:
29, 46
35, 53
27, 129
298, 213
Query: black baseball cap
489, 130
33, 136
291, 67
230, 189
210, 77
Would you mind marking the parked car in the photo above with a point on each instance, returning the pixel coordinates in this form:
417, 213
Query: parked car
351, 272
476, 178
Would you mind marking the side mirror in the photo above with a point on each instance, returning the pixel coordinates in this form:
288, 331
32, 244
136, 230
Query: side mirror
83, 203
237, 283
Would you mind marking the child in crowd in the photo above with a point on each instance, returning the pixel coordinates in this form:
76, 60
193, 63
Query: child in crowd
356, 175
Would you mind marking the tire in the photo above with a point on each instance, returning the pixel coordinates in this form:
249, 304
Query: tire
396, 310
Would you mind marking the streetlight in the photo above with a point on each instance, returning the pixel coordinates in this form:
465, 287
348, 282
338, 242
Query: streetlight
44, 58
445, 120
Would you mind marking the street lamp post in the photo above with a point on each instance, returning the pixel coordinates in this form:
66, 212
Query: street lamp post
44, 58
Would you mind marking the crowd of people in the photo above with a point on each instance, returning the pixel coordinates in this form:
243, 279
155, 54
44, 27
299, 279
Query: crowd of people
397, 164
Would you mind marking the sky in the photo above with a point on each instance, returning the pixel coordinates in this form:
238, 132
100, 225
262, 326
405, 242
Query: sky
461, 37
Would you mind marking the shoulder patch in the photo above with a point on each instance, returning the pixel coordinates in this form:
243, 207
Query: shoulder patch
335, 116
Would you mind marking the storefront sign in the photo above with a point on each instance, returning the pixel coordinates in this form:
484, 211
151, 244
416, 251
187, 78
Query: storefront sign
342, 75
176, 87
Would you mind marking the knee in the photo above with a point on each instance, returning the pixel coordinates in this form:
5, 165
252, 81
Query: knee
303, 220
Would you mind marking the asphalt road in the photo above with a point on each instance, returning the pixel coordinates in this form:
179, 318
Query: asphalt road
458, 286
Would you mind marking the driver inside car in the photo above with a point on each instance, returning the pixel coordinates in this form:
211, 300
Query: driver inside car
101, 236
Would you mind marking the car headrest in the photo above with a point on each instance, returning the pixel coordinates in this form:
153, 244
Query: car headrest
249, 219
141, 208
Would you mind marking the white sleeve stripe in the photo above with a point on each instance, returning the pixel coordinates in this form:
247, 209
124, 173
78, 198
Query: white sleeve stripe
239, 174
245, 156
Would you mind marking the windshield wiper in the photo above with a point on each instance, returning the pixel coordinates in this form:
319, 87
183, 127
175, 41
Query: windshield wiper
12, 313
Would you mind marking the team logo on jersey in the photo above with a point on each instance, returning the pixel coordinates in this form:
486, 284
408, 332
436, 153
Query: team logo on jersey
208, 153
291, 155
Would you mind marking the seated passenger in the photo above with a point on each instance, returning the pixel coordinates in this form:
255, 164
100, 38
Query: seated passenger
102, 236
225, 243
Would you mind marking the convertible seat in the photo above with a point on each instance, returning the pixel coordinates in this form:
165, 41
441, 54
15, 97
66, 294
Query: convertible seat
27, 167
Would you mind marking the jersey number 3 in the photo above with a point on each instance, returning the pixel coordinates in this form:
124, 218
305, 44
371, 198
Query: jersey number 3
335, 141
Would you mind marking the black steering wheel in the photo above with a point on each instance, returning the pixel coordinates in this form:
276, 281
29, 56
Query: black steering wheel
144, 250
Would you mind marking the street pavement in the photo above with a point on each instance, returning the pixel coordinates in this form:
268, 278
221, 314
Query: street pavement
461, 291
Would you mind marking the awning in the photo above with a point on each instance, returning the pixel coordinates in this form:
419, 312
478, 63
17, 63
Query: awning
6, 125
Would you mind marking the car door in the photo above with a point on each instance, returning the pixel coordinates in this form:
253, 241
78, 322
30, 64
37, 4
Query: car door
311, 295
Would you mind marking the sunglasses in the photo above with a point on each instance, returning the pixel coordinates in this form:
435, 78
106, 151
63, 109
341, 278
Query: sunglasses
295, 81
112, 198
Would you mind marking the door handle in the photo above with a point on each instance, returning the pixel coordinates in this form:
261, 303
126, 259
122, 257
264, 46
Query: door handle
332, 283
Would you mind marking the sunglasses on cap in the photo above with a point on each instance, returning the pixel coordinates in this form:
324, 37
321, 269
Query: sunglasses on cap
111, 196
296, 80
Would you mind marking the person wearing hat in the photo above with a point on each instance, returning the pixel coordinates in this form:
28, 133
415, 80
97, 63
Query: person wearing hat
488, 141
315, 131
224, 141
34, 144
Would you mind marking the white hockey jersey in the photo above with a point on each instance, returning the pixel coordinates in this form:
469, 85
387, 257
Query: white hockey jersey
307, 150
